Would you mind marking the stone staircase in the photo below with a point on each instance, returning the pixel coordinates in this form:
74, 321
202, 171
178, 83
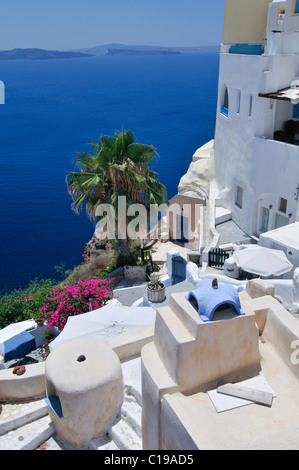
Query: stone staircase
28, 426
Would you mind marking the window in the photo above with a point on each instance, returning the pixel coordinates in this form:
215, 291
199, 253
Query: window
225, 103
238, 102
265, 219
239, 197
296, 111
250, 105
280, 16
295, 7
283, 205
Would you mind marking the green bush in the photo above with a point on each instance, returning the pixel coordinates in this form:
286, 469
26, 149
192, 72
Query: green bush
122, 260
13, 306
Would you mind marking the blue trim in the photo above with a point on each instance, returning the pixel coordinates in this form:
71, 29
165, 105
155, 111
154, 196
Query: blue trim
238, 102
19, 346
247, 49
224, 111
297, 7
296, 107
54, 403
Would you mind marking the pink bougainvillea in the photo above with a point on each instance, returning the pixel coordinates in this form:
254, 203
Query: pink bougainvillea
74, 300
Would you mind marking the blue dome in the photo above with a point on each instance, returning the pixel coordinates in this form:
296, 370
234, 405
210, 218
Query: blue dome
210, 298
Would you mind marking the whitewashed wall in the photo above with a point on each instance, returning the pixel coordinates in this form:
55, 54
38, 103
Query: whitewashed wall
245, 153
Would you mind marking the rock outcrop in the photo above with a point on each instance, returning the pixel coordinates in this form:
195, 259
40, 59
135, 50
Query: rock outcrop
200, 172
96, 248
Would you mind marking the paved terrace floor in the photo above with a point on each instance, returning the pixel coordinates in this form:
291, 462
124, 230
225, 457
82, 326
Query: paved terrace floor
229, 232
160, 250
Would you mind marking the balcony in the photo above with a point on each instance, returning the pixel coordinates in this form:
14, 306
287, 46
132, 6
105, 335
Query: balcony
289, 133
277, 160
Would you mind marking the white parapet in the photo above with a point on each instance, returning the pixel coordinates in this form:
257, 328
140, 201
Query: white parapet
296, 288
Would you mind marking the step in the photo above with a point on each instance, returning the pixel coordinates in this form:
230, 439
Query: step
28, 437
50, 444
185, 312
132, 379
125, 437
131, 413
168, 324
56, 442
103, 442
13, 416
170, 336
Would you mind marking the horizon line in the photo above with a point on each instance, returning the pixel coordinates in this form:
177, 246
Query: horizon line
112, 44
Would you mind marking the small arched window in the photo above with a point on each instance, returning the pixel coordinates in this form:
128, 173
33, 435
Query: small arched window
225, 103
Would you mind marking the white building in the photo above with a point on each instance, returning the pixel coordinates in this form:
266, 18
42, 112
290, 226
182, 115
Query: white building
257, 126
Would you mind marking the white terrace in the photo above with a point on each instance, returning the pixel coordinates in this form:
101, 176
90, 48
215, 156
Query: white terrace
169, 372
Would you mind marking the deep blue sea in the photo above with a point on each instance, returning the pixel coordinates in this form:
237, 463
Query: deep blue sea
54, 109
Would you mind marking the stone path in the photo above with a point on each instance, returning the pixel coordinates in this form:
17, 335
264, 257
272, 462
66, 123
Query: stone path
160, 249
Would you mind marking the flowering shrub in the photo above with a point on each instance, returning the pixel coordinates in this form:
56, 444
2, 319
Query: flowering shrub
13, 307
72, 300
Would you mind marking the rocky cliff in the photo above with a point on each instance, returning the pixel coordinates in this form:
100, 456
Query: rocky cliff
96, 248
200, 172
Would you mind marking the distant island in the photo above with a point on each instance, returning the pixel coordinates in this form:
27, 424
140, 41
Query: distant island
106, 49
140, 52
103, 49
40, 54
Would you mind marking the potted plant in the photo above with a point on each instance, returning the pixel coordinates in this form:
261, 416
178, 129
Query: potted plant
155, 289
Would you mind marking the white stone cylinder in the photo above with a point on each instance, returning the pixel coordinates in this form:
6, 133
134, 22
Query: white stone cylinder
89, 390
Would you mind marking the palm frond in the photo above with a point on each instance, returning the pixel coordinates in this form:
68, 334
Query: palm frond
118, 167
141, 154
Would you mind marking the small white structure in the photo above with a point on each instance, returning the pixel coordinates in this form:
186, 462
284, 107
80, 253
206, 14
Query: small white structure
286, 239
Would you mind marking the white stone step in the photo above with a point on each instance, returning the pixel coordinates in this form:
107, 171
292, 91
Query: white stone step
27, 426
132, 379
50, 444
103, 442
131, 413
125, 437
28, 437
13, 416
56, 442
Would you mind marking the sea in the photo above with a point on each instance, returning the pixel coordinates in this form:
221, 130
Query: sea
54, 109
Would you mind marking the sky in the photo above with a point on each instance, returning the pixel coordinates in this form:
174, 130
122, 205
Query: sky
75, 24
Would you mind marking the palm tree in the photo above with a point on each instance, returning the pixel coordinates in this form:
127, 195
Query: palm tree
119, 167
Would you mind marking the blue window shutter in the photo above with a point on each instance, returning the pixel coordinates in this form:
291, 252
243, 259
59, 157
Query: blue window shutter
296, 106
224, 110
297, 7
